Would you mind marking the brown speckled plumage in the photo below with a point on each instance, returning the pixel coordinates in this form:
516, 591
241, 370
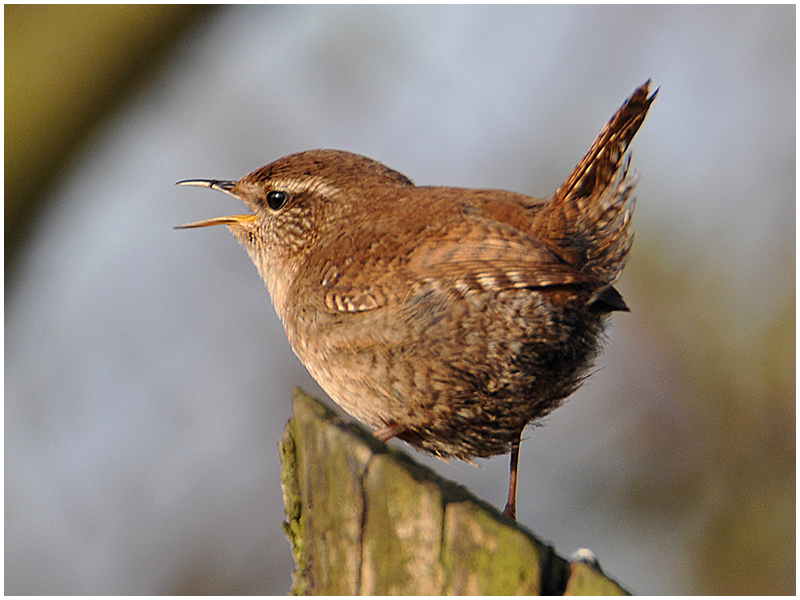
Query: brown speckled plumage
450, 318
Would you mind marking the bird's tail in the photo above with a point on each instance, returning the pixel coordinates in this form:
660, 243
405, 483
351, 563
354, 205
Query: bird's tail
588, 219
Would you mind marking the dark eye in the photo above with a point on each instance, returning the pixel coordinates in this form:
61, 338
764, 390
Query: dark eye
276, 199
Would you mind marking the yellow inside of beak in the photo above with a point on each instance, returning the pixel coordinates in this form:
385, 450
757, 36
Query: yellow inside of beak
227, 220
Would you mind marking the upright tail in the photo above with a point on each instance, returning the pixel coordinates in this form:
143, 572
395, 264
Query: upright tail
588, 220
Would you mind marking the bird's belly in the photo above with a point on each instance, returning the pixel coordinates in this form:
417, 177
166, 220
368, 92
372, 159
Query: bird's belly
461, 378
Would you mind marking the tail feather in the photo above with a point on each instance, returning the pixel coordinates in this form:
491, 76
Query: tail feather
588, 219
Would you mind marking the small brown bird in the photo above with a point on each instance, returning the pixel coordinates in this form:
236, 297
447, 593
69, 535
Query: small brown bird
447, 317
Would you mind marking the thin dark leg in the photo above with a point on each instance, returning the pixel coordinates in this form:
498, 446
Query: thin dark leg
511, 506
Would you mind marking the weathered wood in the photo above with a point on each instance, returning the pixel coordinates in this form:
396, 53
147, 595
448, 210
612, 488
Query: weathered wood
363, 518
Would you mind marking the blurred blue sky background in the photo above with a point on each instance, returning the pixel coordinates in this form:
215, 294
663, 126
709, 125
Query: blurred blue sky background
148, 380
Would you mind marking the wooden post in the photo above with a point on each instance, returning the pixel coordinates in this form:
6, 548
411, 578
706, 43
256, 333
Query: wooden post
363, 519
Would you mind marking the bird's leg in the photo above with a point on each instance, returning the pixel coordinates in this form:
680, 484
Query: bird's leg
384, 434
510, 510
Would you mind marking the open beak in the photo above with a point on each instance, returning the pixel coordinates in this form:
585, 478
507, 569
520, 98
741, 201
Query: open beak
222, 186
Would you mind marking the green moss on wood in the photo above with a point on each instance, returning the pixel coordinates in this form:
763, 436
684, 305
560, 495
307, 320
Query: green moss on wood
402, 530
586, 580
365, 519
485, 556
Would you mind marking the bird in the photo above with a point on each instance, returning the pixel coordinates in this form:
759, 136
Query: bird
450, 318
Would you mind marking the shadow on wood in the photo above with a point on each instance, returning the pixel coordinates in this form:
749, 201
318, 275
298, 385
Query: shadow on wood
363, 518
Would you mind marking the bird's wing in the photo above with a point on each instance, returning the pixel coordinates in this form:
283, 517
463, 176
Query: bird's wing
473, 256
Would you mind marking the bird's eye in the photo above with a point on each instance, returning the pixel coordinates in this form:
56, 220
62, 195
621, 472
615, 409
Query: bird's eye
276, 199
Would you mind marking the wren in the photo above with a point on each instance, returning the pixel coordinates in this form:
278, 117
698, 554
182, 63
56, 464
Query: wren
447, 317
